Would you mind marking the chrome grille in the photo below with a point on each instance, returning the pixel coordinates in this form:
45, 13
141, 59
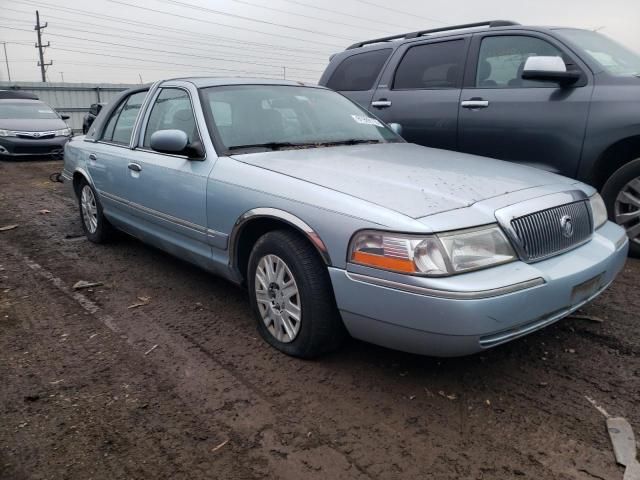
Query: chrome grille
541, 234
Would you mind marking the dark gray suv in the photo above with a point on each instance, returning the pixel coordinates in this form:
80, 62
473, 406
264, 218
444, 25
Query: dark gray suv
562, 99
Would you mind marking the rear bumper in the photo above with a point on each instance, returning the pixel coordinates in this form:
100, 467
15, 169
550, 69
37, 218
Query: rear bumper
469, 313
23, 147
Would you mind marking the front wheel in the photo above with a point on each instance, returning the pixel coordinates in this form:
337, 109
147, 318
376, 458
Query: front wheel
621, 194
291, 296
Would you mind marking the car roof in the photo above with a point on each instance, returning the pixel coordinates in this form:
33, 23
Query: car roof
24, 101
16, 94
470, 28
203, 82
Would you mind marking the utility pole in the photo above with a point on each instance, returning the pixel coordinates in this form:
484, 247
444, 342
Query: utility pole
38, 28
284, 72
62, 76
6, 59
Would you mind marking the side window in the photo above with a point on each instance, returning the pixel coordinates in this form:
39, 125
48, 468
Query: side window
502, 58
358, 72
432, 65
171, 110
120, 124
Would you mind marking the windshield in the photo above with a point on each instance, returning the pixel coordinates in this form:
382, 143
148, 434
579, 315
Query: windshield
29, 110
613, 57
280, 116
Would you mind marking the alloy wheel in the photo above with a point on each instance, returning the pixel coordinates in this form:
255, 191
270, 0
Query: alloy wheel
627, 209
89, 209
278, 298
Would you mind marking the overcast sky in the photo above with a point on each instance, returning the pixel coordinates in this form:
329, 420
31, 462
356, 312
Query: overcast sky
128, 40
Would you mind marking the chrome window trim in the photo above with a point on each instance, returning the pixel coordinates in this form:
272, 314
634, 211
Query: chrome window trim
139, 143
451, 294
505, 215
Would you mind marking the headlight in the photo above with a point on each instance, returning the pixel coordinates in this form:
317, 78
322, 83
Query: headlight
65, 132
7, 133
598, 210
432, 255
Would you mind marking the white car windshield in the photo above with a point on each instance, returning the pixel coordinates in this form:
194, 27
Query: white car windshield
613, 57
28, 110
281, 116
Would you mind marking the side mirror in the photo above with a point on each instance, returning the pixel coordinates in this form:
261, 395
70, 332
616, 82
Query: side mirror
550, 69
396, 127
65, 117
175, 142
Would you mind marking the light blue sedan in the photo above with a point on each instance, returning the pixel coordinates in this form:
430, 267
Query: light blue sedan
334, 224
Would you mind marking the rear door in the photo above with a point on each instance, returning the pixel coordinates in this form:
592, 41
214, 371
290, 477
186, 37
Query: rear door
355, 76
109, 155
420, 89
537, 123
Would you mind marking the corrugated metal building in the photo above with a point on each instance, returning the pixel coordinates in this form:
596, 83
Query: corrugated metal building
72, 99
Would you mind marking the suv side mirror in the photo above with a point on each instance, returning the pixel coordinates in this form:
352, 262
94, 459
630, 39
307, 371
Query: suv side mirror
550, 69
175, 142
396, 127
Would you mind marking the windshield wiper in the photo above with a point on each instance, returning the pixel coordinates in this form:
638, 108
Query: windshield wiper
351, 141
271, 145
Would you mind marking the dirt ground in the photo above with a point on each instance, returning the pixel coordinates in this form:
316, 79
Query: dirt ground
182, 388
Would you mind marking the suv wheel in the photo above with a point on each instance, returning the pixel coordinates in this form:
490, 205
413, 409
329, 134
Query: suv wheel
621, 194
291, 296
96, 227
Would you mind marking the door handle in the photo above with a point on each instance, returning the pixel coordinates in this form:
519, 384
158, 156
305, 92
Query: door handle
135, 167
92, 156
382, 103
474, 103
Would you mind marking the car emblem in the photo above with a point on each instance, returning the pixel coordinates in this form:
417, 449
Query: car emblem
36, 134
566, 225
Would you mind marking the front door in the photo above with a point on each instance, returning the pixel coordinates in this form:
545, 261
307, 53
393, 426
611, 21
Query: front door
420, 90
531, 122
168, 192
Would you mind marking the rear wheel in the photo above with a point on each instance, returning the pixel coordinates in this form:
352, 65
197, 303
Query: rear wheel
621, 194
291, 296
96, 227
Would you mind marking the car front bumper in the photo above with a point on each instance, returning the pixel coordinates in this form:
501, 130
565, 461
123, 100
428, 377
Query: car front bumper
471, 312
21, 147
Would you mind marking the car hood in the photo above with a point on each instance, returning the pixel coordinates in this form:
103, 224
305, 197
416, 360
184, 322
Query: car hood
407, 178
32, 125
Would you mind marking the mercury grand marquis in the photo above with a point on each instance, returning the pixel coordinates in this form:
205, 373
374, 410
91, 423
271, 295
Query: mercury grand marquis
337, 226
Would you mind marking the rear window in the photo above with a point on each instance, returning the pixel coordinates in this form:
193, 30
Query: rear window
358, 72
432, 65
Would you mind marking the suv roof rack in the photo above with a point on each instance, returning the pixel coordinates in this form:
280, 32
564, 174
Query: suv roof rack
489, 23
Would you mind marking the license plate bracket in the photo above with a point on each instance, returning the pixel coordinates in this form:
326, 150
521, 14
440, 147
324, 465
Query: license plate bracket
586, 289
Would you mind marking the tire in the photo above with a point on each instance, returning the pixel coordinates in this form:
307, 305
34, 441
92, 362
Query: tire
94, 224
620, 193
305, 284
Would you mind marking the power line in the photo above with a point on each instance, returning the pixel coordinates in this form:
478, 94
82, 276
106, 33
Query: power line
296, 2
104, 17
182, 45
242, 17
161, 51
333, 22
395, 10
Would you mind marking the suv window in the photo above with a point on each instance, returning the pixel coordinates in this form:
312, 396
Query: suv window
431, 65
120, 124
171, 110
358, 72
502, 58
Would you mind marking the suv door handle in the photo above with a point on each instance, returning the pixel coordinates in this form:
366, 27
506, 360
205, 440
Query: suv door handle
382, 103
135, 167
92, 156
474, 103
